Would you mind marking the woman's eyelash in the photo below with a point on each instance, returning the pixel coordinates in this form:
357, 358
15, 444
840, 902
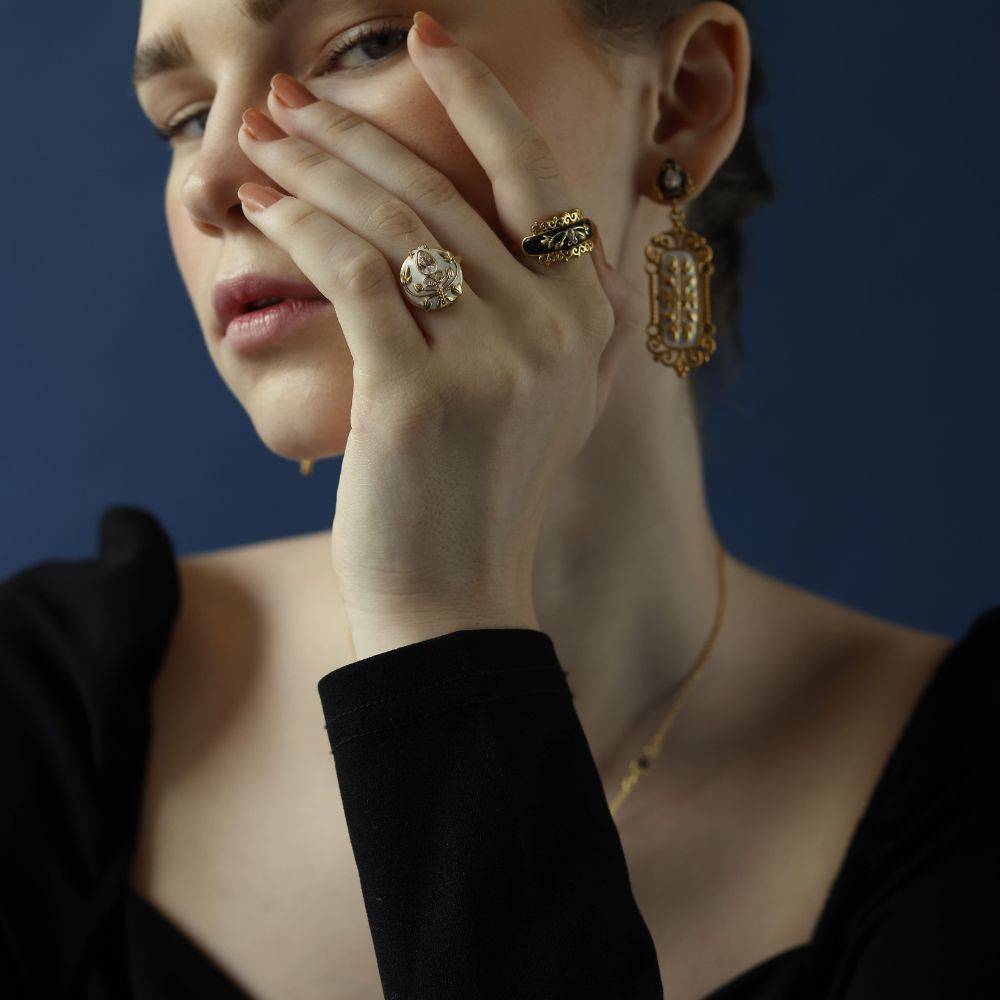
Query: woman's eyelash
366, 33
166, 134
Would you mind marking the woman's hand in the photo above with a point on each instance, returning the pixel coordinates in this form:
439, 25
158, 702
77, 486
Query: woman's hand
462, 419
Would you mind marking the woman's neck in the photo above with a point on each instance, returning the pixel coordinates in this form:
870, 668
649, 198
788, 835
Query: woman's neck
626, 570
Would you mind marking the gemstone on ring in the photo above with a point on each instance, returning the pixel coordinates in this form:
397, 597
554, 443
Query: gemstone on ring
431, 278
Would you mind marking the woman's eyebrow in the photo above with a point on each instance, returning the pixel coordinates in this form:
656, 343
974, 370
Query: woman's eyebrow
169, 49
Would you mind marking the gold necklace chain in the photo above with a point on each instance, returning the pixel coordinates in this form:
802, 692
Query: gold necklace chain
643, 762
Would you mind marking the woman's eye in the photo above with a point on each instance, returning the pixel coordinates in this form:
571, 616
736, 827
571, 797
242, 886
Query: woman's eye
365, 47
168, 133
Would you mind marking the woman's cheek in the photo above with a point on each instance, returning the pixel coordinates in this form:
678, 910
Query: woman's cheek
183, 234
439, 144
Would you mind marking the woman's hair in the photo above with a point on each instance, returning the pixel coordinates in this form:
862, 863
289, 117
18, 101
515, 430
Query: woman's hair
740, 185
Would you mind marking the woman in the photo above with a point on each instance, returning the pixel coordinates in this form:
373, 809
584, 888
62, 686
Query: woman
517, 479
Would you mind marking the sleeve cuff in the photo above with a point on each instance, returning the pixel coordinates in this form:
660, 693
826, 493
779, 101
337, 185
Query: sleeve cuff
436, 675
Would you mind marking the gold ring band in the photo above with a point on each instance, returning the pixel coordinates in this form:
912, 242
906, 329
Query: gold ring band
431, 278
559, 238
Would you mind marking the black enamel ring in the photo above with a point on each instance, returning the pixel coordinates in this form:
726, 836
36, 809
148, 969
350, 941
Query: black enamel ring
560, 237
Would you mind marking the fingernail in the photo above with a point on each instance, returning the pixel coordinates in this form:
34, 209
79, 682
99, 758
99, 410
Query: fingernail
261, 127
431, 32
290, 92
257, 197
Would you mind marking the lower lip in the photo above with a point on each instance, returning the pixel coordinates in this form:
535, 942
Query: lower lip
251, 331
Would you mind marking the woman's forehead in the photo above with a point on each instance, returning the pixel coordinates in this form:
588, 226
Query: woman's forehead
259, 12
157, 15
169, 29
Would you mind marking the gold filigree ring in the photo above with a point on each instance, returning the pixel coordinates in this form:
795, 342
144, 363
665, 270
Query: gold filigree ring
559, 238
431, 278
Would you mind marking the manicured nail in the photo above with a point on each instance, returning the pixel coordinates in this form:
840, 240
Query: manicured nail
431, 32
257, 197
261, 127
290, 92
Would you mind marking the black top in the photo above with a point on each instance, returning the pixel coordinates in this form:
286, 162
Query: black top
489, 862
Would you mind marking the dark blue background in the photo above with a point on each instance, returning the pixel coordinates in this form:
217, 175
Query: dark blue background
856, 455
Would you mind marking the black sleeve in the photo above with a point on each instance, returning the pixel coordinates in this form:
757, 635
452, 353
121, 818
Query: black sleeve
489, 862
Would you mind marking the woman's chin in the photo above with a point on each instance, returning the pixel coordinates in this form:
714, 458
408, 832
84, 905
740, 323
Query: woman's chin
299, 411
315, 436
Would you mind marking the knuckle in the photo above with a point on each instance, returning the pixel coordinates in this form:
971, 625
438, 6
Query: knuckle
430, 187
477, 77
309, 158
307, 220
363, 272
547, 350
533, 156
510, 379
391, 217
338, 122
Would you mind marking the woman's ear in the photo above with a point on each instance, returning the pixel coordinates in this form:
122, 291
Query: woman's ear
704, 71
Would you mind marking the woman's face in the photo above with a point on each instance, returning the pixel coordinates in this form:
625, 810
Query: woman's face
297, 392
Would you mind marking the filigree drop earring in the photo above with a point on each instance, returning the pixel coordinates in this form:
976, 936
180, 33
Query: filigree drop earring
681, 333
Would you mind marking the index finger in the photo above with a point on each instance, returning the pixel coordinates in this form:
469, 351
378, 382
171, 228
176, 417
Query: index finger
527, 183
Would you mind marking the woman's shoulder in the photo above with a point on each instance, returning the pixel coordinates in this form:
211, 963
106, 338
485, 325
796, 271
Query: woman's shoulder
251, 562
226, 586
255, 608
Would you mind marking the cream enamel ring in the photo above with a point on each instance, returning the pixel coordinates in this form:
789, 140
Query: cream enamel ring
431, 278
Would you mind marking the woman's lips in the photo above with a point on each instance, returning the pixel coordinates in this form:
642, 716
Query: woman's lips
251, 331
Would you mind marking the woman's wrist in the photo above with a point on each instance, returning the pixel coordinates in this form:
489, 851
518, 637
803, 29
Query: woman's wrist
374, 634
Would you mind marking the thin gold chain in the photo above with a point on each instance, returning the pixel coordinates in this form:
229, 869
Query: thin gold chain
643, 762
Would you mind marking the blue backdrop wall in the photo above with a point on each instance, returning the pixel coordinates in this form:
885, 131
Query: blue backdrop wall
856, 455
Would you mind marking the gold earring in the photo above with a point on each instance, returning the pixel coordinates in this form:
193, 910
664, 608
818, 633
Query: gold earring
306, 466
681, 333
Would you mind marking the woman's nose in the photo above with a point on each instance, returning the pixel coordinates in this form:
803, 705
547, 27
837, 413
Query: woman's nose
219, 168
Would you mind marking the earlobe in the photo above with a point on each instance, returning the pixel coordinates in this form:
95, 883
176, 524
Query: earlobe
705, 70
